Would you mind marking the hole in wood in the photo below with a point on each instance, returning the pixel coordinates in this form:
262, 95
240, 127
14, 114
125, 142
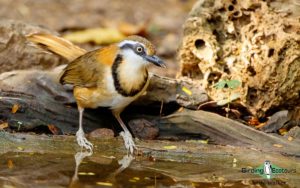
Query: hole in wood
199, 44
230, 7
271, 52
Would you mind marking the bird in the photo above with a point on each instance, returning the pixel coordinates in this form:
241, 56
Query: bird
112, 76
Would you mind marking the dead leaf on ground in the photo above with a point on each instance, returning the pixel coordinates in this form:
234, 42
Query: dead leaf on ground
186, 90
96, 35
10, 164
54, 130
15, 108
131, 29
107, 184
282, 131
253, 121
277, 145
3, 125
170, 147
260, 125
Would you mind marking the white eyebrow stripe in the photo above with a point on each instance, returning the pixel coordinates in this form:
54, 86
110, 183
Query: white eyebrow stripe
129, 42
126, 42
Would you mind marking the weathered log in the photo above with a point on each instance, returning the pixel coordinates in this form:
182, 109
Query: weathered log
43, 100
15, 51
223, 131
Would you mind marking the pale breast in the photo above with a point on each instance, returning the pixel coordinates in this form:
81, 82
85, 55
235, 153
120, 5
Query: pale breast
106, 96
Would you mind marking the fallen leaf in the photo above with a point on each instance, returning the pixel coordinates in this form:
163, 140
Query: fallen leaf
198, 141
104, 183
170, 147
151, 158
10, 164
54, 130
282, 131
132, 180
260, 125
86, 173
131, 29
186, 90
290, 138
253, 121
15, 108
277, 145
96, 35
3, 125
180, 109
136, 178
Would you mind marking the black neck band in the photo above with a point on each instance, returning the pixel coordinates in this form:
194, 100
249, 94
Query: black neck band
119, 88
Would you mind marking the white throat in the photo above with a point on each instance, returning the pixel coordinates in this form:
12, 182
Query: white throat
132, 70
134, 63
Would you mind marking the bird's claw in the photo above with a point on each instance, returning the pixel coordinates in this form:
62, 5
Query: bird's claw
128, 141
83, 142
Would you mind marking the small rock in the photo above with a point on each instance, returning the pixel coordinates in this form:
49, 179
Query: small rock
276, 122
101, 133
143, 129
294, 133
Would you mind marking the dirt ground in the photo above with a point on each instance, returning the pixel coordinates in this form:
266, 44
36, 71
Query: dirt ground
164, 19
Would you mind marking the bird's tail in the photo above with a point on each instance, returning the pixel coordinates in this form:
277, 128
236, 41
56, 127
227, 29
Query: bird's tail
57, 45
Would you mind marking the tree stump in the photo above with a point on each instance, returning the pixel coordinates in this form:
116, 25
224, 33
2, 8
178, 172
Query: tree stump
255, 42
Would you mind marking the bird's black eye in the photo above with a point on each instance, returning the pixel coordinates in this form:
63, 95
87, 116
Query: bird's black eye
139, 49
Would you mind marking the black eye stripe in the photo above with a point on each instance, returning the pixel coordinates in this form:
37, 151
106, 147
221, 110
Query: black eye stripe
127, 46
138, 49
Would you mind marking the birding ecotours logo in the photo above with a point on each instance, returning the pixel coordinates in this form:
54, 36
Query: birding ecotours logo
268, 170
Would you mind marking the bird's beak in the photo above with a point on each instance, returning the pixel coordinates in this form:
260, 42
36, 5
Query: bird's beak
155, 60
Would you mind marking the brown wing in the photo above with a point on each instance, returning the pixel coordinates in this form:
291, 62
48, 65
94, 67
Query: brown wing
84, 71
88, 70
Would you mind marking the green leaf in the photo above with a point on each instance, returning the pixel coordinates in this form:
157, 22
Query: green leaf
234, 96
233, 84
221, 84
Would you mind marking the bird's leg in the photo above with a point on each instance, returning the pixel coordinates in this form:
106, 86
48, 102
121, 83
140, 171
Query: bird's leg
128, 140
81, 140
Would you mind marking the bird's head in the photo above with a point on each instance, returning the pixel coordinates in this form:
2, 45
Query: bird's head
140, 51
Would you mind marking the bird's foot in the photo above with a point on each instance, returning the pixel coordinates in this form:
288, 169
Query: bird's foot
83, 142
128, 141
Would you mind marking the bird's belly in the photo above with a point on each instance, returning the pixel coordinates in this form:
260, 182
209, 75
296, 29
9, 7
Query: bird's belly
94, 97
107, 96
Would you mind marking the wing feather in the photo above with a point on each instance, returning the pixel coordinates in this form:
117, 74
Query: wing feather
89, 69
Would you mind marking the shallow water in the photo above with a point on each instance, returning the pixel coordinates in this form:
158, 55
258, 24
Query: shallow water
59, 170
40, 161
